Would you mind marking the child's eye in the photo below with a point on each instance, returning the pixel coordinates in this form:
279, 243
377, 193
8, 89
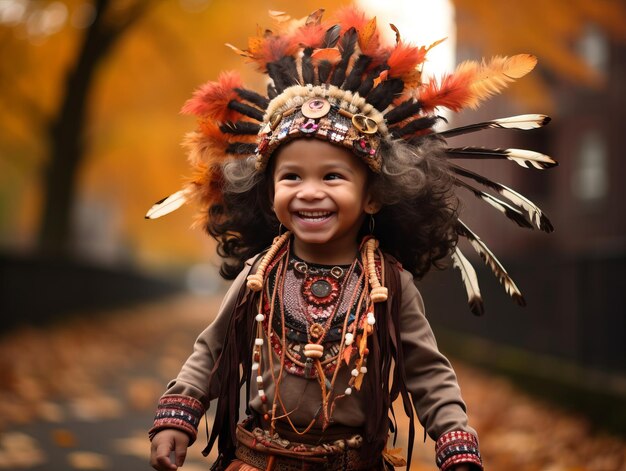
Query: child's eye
334, 176
290, 176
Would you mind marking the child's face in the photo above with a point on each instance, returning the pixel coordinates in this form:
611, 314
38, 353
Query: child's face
320, 194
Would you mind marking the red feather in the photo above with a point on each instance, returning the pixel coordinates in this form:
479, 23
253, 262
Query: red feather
404, 58
453, 92
210, 101
272, 48
310, 35
352, 16
369, 39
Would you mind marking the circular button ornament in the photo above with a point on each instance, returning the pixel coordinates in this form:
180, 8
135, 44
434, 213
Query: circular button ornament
364, 124
315, 108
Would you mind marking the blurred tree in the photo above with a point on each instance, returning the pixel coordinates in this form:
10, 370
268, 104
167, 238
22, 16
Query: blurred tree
553, 31
66, 130
49, 71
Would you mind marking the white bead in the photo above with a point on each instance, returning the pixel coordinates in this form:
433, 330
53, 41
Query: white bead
355, 372
261, 393
258, 342
314, 346
364, 369
259, 379
349, 338
348, 391
260, 317
371, 320
255, 366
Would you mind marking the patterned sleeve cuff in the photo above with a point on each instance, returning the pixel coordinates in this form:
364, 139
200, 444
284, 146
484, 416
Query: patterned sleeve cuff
178, 412
458, 447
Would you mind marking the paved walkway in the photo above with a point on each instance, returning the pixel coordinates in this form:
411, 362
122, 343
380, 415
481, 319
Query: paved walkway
80, 395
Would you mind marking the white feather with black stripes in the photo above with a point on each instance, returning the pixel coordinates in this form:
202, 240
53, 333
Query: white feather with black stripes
168, 204
492, 262
470, 280
509, 211
522, 122
522, 157
535, 214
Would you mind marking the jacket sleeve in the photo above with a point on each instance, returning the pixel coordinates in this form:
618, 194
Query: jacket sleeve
187, 397
433, 385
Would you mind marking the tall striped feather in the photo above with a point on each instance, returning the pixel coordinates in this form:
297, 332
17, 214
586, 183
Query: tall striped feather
509, 211
492, 262
168, 204
522, 122
535, 214
470, 280
522, 157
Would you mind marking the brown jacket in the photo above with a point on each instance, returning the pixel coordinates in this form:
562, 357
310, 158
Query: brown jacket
429, 376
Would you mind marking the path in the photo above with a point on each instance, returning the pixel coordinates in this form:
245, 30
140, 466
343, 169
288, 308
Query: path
80, 395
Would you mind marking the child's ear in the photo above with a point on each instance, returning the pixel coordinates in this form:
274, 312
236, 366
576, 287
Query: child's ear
372, 206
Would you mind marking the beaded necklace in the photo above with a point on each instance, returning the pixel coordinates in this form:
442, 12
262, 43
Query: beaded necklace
353, 344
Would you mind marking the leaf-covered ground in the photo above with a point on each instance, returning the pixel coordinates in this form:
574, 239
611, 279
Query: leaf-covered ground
80, 395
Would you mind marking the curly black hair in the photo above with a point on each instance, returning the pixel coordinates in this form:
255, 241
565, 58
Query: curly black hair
415, 223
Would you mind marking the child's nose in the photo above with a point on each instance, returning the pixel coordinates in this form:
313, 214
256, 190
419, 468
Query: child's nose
310, 190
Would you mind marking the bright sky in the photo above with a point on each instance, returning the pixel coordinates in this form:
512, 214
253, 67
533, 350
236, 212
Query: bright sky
421, 22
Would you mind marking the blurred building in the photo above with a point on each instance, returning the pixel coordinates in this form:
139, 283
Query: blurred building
573, 279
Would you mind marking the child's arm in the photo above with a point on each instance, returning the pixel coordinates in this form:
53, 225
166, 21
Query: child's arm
187, 397
433, 385
163, 444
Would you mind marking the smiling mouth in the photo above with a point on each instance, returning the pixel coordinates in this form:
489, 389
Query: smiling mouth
313, 216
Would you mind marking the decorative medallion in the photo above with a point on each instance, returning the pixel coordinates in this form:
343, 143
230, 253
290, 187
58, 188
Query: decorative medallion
315, 108
364, 124
320, 290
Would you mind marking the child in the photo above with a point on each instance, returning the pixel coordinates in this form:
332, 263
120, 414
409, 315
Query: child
339, 173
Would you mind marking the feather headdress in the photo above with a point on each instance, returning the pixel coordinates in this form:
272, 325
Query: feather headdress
340, 82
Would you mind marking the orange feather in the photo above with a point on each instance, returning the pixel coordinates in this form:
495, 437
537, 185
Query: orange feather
452, 93
310, 35
330, 54
473, 82
210, 101
369, 38
272, 48
404, 59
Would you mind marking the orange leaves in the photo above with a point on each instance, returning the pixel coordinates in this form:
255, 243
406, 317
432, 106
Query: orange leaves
368, 37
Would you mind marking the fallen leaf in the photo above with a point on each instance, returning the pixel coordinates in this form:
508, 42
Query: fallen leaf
64, 438
87, 460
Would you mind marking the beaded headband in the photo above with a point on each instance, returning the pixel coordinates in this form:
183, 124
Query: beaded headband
325, 112
339, 82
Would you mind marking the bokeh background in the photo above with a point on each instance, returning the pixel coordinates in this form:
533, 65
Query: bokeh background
98, 307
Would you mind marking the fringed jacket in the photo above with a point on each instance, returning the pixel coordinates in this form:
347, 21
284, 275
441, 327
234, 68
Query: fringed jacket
402, 337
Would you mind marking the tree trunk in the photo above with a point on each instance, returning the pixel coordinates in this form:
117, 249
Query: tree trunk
67, 129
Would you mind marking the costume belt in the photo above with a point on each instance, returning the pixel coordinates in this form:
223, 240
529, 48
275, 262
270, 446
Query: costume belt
262, 450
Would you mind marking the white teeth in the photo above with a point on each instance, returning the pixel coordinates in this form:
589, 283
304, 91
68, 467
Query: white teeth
313, 214
317, 215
